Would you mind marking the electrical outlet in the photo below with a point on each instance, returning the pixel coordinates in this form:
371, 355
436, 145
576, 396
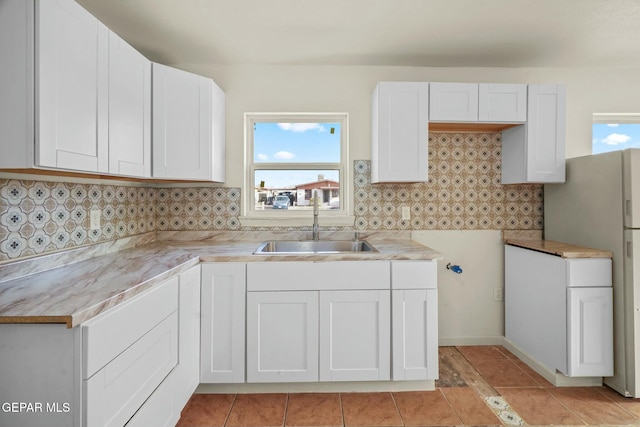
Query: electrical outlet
94, 219
406, 213
498, 294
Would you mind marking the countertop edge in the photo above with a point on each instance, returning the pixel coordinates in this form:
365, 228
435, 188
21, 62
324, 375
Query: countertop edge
563, 250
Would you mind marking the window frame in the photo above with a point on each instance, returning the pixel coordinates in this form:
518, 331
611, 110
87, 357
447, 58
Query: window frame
613, 118
255, 217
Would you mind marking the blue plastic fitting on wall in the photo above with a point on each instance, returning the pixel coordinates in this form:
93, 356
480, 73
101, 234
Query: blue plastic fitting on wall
455, 268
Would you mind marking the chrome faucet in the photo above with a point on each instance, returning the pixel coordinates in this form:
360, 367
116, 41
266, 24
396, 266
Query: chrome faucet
316, 229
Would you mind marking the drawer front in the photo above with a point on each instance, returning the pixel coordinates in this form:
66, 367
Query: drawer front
414, 274
109, 334
161, 409
589, 272
310, 276
118, 390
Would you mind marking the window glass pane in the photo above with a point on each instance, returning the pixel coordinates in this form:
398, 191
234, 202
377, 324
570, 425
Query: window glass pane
296, 142
615, 136
296, 189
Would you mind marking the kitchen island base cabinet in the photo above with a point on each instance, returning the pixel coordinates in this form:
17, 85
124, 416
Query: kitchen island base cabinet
223, 323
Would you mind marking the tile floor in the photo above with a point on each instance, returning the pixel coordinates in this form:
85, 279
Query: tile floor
478, 386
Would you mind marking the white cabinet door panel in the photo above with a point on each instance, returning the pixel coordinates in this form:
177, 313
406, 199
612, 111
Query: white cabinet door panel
72, 84
129, 110
400, 132
223, 323
453, 102
282, 336
354, 335
415, 334
590, 330
502, 102
182, 124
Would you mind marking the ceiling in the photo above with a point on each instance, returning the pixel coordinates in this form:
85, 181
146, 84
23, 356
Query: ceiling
438, 33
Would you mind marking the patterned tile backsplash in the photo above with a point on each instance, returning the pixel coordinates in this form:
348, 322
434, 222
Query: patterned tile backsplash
463, 193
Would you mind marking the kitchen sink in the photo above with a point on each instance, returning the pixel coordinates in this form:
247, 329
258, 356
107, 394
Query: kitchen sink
314, 247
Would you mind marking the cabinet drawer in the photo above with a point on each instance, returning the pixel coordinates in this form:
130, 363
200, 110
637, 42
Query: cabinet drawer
118, 390
588, 272
109, 334
308, 276
414, 275
161, 409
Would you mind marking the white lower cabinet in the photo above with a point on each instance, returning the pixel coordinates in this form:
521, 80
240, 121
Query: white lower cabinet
560, 311
414, 310
282, 336
223, 323
355, 335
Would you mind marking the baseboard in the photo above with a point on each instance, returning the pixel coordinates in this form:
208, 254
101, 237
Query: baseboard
461, 341
554, 377
324, 387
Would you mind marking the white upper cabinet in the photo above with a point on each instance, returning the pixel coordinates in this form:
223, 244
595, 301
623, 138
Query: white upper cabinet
502, 102
129, 110
188, 126
457, 102
72, 85
400, 132
64, 54
477, 102
535, 151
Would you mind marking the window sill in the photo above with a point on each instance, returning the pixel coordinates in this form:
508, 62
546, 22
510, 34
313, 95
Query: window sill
298, 221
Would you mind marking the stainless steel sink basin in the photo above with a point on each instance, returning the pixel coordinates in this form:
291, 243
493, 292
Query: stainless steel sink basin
314, 247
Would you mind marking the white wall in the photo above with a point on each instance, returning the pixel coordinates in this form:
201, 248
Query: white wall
467, 310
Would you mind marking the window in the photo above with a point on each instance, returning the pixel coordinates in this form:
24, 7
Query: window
612, 132
301, 156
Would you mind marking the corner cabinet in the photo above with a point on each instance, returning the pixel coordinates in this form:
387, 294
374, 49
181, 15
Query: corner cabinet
535, 151
188, 126
400, 132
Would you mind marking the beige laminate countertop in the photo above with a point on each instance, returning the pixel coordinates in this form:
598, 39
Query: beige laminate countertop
560, 249
74, 293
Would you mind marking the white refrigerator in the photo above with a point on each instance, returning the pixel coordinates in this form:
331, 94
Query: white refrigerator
599, 207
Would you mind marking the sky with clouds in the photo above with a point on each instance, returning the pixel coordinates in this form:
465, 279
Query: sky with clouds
295, 143
612, 137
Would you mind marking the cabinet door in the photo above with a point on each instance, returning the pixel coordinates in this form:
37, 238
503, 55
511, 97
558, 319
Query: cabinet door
415, 334
453, 102
590, 332
223, 323
72, 82
400, 132
535, 151
355, 335
282, 336
502, 102
182, 124
129, 110
188, 370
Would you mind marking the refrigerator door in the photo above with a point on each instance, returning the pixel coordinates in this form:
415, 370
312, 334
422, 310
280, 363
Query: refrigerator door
632, 311
631, 186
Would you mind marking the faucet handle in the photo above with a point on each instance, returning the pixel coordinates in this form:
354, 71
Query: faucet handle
356, 236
